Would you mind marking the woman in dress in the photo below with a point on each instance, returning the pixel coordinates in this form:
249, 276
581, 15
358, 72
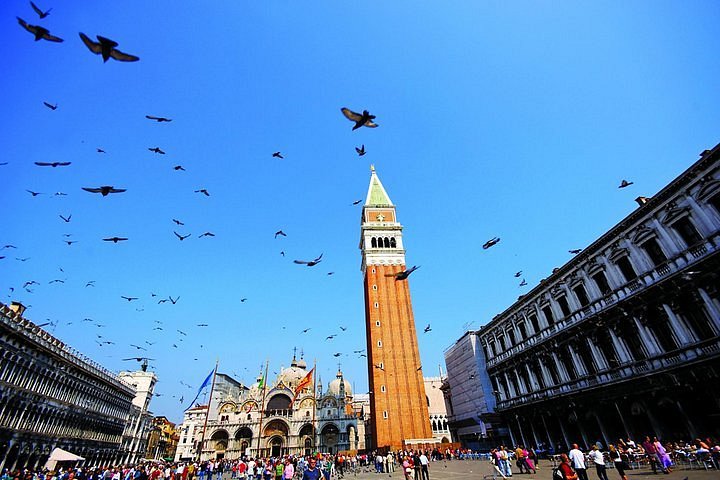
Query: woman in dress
663, 457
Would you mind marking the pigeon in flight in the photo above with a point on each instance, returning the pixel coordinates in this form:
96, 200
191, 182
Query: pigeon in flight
575, 251
336, 354
129, 299
278, 155
91, 283
100, 150
419, 368
243, 300
202, 324
427, 329
39, 32
34, 194
331, 273
523, 283
50, 106
281, 233
518, 273
357, 202
361, 119
203, 191
104, 190
380, 367
282, 253
181, 237
70, 242
178, 222
207, 234
156, 150
173, 301
60, 194
360, 151
66, 220
138, 347
311, 263
158, 119
8, 246
52, 164
330, 337
491, 242
404, 274
306, 330
183, 333
115, 239
625, 183
164, 300
343, 328
40, 13
178, 167
106, 48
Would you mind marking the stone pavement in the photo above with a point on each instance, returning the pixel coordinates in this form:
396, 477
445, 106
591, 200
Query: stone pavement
478, 469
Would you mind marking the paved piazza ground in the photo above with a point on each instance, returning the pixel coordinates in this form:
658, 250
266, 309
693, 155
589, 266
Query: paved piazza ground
477, 469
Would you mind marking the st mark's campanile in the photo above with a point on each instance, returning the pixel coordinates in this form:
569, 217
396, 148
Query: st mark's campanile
398, 403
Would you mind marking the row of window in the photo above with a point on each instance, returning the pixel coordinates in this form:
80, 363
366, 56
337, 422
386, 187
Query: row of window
627, 268
383, 242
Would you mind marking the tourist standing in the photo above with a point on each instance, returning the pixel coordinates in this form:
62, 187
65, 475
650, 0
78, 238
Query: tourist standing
424, 462
617, 461
597, 458
577, 460
566, 469
663, 458
311, 473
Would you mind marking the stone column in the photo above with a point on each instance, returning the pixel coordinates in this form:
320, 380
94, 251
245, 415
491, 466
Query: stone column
547, 430
602, 364
564, 433
681, 332
647, 338
581, 427
579, 367
620, 348
690, 425
701, 217
622, 419
665, 239
546, 375
522, 434
533, 381
564, 376
520, 383
534, 434
513, 393
712, 309
602, 429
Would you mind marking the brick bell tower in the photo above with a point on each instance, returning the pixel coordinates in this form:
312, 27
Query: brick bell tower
398, 402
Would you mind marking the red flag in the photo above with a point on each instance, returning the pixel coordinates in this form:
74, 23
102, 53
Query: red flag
304, 383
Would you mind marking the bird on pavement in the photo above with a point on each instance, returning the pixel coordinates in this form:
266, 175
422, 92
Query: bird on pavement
361, 119
106, 48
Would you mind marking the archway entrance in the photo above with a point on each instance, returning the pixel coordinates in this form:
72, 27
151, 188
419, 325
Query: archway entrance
276, 444
329, 438
219, 443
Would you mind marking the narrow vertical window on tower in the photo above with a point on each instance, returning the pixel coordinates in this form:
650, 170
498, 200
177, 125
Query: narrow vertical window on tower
385, 414
379, 343
382, 388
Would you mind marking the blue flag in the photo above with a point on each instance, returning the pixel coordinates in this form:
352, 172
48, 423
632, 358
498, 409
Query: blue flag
202, 387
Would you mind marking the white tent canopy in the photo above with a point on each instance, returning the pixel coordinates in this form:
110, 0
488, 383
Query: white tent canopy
59, 455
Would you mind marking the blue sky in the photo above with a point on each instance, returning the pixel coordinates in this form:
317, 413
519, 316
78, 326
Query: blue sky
509, 119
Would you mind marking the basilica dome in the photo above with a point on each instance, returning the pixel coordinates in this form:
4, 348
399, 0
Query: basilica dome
334, 386
292, 375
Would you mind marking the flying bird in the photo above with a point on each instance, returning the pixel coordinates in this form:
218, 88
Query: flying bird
361, 119
173, 301
625, 183
52, 164
243, 300
575, 251
282, 253
40, 13
162, 301
203, 191
181, 237
311, 263
156, 150
357, 202
419, 368
178, 222
202, 324
129, 299
343, 328
181, 332
206, 234
518, 273
178, 167
360, 151
60, 194
491, 242
51, 107
39, 32
278, 155
380, 367
100, 150
158, 119
336, 354
8, 246
70, 242
91, 283
306, 330
427, 329
330, 337
523, 283
281, 233
404, 274
105, 190
138, 347
115, 239
34, 194
66, 220
106, 48
56, 281
331, 273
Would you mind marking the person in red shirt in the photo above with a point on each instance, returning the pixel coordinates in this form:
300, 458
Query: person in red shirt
566, 469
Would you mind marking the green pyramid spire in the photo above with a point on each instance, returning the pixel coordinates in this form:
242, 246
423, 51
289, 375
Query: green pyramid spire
376, 196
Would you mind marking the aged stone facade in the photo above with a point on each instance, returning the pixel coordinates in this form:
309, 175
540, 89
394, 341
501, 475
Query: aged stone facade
236, 427
399, 410
53, 396
623, 340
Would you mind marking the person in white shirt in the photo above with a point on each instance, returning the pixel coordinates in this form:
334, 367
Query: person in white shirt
597, 458
577, 460
424, 464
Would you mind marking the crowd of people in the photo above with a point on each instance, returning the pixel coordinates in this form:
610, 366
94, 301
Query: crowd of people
621, 456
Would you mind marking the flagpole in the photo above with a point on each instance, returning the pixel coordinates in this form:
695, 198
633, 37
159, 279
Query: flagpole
262, 407
207, 411
314, 402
